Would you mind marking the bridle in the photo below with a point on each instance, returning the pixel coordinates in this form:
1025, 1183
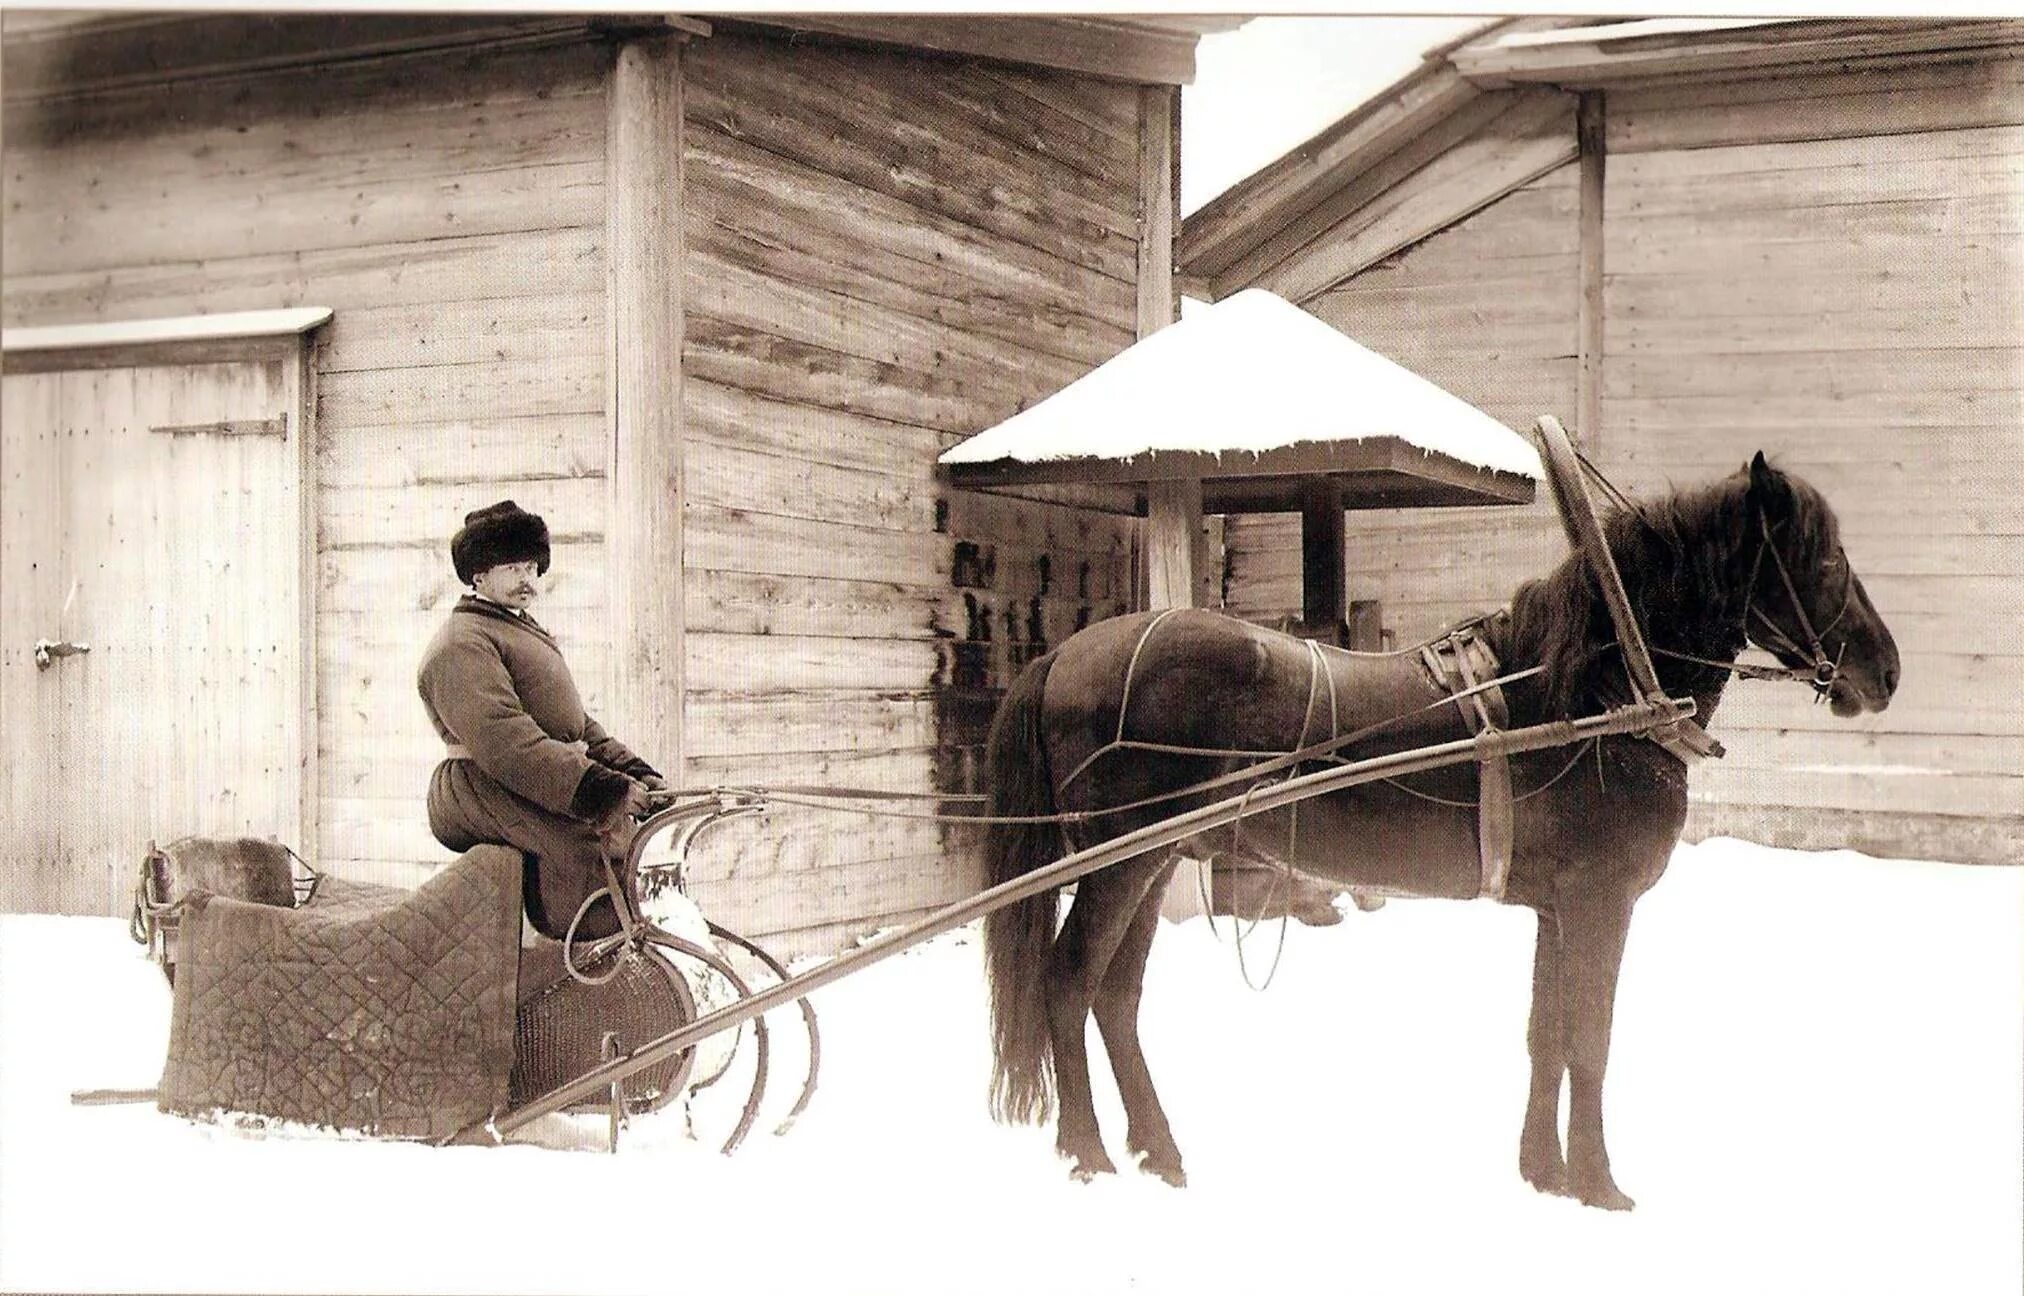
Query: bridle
1820, 671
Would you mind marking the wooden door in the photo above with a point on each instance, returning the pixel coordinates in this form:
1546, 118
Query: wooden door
151, 514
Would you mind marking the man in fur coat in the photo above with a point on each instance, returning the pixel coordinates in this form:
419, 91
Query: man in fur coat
524, 766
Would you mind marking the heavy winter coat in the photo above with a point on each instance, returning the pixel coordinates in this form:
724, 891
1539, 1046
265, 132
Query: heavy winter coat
529, 767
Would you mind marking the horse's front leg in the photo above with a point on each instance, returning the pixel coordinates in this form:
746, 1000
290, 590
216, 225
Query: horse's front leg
1539, 1157
1592, 930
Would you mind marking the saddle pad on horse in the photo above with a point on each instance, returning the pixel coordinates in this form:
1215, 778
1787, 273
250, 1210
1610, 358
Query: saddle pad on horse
371, 1008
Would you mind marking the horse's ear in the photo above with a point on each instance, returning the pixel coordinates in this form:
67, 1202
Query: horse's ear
1767, 488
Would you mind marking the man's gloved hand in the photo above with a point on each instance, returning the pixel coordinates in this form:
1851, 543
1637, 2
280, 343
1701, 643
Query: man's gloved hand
639, 801
659, 794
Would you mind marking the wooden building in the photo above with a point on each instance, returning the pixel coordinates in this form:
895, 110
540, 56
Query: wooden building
1692, 240
710, 295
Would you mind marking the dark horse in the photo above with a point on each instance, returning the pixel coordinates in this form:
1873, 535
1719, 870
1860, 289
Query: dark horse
1755, 557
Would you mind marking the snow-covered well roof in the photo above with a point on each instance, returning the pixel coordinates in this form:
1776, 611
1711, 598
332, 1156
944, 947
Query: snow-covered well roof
1252, 374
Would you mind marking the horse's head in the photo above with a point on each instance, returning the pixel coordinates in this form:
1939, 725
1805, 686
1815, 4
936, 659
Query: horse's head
1807, 606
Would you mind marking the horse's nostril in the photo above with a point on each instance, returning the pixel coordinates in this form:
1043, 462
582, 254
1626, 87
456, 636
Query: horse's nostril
1890, 679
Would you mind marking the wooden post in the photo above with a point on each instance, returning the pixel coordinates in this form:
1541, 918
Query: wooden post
1590, 132
1173, 509
1323, 583
643, 522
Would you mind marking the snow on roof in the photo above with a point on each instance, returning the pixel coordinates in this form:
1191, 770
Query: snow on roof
179, 328
1251, 373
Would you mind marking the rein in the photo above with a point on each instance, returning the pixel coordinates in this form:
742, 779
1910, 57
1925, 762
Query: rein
1820, 671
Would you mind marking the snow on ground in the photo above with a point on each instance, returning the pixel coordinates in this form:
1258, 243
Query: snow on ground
1815, 1088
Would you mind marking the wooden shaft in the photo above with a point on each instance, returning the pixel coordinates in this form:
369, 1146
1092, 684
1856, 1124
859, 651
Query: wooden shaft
1627, 719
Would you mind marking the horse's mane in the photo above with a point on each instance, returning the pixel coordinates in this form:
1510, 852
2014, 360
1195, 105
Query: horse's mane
1685, 561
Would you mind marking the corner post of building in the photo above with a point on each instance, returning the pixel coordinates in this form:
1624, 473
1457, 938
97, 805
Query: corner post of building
1591, 131
1323, 567
1173, 507
644, 484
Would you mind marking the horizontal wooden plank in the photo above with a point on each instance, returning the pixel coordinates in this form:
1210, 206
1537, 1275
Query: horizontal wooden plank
1829, 375
785, 298
1970, 92
730, 478
546, 328
1838, 748
423, 271
755, 663
464, 452
1892, 233
790, 843
1865, 311
362, 90
419, 576
1108, 106
1929, 793
356, 144
846, 898
1775, 177
805, 106
1033, 125
748, 723
1968, 839
383, 398
185, 227
759, 362
429, 513
779, 198
721, 414
1908, 414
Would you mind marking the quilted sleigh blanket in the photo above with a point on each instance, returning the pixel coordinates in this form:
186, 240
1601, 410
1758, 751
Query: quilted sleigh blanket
371, 1008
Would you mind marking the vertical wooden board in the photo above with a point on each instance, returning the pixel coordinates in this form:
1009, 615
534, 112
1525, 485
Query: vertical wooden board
31, 466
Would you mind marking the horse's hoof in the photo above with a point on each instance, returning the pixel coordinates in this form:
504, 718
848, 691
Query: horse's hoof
1549, 1177
1168, 1171
1083, 1169
1605, 1196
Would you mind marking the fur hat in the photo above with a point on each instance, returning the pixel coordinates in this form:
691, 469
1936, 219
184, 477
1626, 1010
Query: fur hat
503, 533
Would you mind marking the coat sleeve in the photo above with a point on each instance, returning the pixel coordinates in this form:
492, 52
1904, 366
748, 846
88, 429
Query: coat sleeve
470, 688
609, 751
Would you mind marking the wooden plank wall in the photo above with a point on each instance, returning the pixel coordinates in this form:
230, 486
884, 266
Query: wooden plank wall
451, 210
885, 255
1486, 309
1783, 274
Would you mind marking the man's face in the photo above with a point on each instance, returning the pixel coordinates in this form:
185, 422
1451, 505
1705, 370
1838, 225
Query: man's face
511, 584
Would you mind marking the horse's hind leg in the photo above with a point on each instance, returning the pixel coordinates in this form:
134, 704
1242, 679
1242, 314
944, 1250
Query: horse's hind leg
1117, 1005
1104, 908
1539, 1157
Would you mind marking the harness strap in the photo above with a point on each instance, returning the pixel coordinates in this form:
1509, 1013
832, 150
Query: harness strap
1459, 663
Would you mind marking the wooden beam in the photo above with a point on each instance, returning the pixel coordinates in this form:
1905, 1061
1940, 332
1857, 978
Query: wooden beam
122, 52
1174, 507
1246, 215
1582, 58
1532, 138
1591, 132
1140, 51
643, 531
1323, 592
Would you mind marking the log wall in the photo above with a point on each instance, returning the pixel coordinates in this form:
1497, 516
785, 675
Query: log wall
450, 210
1831, 268
1826, 267
885, 255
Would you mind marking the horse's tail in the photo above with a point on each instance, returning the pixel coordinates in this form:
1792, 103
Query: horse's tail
1018, 937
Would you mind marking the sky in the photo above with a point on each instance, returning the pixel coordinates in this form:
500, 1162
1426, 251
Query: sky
1274, 82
